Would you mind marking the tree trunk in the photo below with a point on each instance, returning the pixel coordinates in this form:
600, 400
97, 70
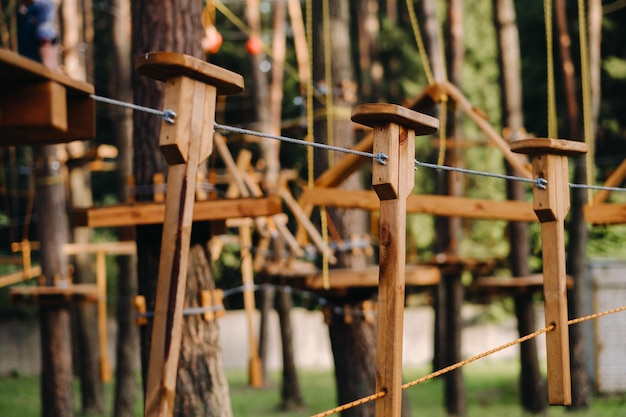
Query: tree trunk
354, 353
353, 344
165, 25
201, 387
290, 390
577, 228
127, 349
88, 348
532, 386
54, 321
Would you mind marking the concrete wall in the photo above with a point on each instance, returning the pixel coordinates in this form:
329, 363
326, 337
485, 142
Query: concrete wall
19, 340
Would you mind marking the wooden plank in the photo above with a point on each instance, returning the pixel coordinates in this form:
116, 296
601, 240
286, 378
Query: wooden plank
614, 180
415, 275
464, 105
110, 248
447, 206
154, 213
304, 221
19, 276
54, 294
612, 213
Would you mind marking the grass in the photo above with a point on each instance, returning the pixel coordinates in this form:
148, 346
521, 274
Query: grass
491, 389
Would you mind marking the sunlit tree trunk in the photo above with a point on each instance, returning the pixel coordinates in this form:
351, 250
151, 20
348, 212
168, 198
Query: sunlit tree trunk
169, 25
531, 385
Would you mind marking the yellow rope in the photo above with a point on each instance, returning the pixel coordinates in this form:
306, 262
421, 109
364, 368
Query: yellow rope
552, 120
420, 42
328, 79
324, 227
586, 93
443, 116
457, 365
309, 94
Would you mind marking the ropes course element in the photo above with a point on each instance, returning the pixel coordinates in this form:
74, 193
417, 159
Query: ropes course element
458, 365
167, 115
380, 157
420, 42
552, 119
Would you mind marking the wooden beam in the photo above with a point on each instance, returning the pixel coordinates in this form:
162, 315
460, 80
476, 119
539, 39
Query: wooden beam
110, 248
154, 213
446, 206
614, 180
19, 276
549, 159
346, 166
612, 213
464, 104
394, 130
54, 295
415, 275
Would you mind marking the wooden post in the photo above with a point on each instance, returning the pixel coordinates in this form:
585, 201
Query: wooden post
101, 282
394, 133
255, 367
191, 92
549, 159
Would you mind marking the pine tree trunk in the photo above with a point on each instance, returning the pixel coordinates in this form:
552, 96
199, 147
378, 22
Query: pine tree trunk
127, 349
165, 25
54, 321
290, 390
353, 345
532, 386
201, 387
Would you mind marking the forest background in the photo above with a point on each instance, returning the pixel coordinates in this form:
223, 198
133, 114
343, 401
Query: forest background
393, 73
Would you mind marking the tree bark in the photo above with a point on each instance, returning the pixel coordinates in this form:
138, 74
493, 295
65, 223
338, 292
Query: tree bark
54, 321
353, 344
290, 390
532, 386
577, 228
165, 25
201, 387
354, 353
86, 334
127, 349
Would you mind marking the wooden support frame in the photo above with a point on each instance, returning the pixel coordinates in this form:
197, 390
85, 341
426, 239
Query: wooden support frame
394, 133
549, 161
191, 90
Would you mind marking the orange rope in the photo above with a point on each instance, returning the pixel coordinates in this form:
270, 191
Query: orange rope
457, 365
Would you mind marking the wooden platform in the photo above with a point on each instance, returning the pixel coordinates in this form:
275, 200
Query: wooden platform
41, 106
311, 278
503, 286
57, 295
154, 213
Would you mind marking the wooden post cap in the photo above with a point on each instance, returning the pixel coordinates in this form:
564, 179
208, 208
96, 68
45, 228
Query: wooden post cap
376, 114
192, 86
165, 65
535, 146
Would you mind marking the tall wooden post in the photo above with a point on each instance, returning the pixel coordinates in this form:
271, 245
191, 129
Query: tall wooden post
394, 133
191, 91
549, 158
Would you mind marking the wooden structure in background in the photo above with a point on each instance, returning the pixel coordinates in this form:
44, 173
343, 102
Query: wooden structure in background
394, 134
549, 158
42, 106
